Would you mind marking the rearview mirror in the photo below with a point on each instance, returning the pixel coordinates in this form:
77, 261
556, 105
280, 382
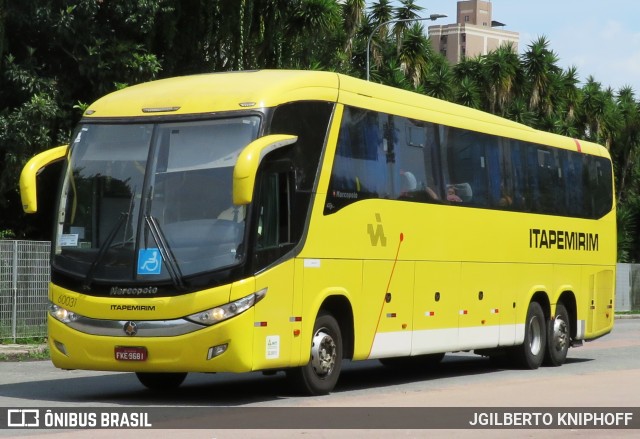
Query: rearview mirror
244, 173
28, 185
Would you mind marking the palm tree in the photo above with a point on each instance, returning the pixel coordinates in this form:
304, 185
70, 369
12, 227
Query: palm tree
598, 112
268, 32
438, 83
408, 11
380, 12
501, 66
570, 93
625, 149
353, 15
539, 64
414, 54
467, 93
518, 111
476, 71
311, 27
391, 74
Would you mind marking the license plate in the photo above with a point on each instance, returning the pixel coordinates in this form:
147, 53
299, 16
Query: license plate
131, 353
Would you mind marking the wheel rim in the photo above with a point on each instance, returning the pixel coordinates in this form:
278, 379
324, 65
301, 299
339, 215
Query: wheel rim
560, 334
535, 338
323, 353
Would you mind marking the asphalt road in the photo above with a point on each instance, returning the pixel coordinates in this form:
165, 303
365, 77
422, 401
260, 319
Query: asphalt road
602, 373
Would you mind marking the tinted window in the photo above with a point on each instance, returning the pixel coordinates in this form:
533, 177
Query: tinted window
386, 156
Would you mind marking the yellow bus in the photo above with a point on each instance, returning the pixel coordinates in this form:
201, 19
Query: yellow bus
288, 220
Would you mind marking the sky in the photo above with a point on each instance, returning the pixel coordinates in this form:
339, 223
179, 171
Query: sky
600, 38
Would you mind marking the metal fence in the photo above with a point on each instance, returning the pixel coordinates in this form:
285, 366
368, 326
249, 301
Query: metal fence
628, 287
24, 283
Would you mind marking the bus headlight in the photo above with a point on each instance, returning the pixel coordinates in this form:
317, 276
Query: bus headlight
61, 314
220, 313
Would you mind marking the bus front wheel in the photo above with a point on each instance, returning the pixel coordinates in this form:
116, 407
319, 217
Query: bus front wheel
320, 375
530, 354
558, 337
161, 381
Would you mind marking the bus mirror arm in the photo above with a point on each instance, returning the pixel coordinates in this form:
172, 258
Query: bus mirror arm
246, 168
28, 184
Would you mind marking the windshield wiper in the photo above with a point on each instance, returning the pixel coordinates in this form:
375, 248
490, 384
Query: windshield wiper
107, 242
165, 251
103, 250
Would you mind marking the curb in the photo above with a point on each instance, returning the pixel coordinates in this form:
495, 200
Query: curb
17, 352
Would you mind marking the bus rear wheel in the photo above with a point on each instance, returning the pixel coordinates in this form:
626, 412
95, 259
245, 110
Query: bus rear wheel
161, 381
320, 375
530, 354
558, 337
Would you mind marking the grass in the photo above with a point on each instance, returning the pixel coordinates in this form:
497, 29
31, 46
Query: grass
28, 340
25, 332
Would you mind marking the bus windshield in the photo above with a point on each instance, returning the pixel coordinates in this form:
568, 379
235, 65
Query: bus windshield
152, 202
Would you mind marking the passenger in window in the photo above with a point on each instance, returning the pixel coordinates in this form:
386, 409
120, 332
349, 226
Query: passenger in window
506, 200
408, 183
410, 189
452, 196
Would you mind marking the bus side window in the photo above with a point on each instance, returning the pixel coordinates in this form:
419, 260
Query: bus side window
602, 194
574, 189
362, 156
415, 162
467, 163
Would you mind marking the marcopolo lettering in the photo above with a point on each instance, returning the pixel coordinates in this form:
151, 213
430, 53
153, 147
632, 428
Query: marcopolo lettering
348, 195
144, 291
563, 240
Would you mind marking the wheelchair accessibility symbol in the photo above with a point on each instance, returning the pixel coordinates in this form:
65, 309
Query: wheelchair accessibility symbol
149, 261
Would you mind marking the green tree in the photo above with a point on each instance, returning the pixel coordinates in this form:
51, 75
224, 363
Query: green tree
407, 11
467, 93
540, 65
501, 66
380, 12
312, 27
353, 16
46, 69
414, 54
625, 148
438, 82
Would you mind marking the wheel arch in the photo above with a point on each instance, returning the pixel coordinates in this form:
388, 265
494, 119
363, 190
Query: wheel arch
340, 308
542, 298
568, 299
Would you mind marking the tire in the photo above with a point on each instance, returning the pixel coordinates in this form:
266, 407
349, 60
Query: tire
415, 363
320, 375
558, 337
531, 353
161, 381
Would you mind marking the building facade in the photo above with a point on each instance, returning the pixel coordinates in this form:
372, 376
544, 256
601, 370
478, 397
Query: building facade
474, 33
